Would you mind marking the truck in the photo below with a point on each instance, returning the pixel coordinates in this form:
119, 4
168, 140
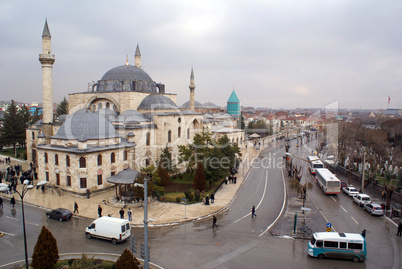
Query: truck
109, 228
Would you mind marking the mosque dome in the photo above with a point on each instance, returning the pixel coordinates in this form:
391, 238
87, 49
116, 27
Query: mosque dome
196, 105
210, 105
86, 124
126, 72
157, 101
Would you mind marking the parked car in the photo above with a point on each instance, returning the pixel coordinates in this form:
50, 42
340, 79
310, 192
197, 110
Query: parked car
361, 199
60, 214
350, 191
343, 184
374, 209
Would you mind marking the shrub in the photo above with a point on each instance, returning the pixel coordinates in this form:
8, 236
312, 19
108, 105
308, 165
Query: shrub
187, 193
70, 261
197, 195
46, 253
127, 261
178, 199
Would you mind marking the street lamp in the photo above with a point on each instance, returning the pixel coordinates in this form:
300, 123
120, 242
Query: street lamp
145, 187
25, 188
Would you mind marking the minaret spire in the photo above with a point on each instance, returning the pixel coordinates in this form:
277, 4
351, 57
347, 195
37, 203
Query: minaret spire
137, 57
192, 88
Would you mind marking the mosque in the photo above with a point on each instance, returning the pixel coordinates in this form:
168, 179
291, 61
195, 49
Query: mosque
123, 121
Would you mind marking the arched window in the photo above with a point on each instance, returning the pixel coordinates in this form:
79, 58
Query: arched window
169, 136
46, 159
99, 159
33, 135
188, 133
83, 162
125, 155
93, 107
112, 158
147, 162
148, 139
56, 159
107, 105
100, 106
68, 161
179, 132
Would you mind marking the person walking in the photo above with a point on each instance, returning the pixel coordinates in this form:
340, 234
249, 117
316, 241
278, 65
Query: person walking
129, 213
364, 233
399, 229
99, 211
214, 222
383, 194
1, 202
121, 212
12, 201
212, 198
253, 212
76, 208
207, 200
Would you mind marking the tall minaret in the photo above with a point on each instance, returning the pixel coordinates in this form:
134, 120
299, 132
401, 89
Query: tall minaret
47, 59
192, 87
137, 57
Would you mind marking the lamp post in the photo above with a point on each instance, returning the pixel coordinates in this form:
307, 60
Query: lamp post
145, 187
25, 188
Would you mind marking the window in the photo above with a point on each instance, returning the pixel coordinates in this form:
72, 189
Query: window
169, 136
188, 133
319, 243
179, 120
33, 135
46, 160
99, 159
330, 244
68, 161
56, 159
125, 155
179, 132
112, 158
107, 105
58, 179
112, 173
148, 139
69, 181
83, 183
342, 244
47, 176
355, 246
93, 107
147, 162
83, 162
99, 179
100, 106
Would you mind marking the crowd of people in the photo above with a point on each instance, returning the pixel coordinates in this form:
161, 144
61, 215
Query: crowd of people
15, 175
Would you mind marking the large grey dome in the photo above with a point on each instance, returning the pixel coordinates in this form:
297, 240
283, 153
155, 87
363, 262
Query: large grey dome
89, 125
157, 101
126, 72
196, 105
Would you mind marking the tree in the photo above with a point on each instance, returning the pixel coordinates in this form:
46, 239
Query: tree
127, 261
165, 160
62, 108
164, 175
13, 129
199, 179
46, 253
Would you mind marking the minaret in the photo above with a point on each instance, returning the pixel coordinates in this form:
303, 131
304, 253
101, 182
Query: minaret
47, 59
137, 57
192, 87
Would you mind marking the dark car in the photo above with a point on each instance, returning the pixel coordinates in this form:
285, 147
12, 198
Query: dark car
60, 214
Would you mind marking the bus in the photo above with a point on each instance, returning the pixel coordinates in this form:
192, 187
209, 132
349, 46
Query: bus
338, 245
327, 181
313, 165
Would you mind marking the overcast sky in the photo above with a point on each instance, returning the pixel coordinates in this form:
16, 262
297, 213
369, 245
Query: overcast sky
278, 54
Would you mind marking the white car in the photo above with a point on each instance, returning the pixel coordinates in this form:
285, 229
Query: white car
350, 191
361, 199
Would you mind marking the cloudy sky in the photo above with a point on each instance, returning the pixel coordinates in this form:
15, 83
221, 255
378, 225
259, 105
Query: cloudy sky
278, 54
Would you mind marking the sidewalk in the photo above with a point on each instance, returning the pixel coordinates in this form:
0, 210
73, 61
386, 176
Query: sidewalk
160, 213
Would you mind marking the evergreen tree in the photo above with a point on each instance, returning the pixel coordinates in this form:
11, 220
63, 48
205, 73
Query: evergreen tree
62, 108
199, 179
164, 175
166, 159
46, 253
13, 129
127, 261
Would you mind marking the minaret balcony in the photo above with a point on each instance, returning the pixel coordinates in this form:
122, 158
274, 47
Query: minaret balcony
46, 58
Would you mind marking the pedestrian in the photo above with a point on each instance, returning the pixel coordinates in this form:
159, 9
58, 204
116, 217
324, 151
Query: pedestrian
76, 208
121, 212
12, 201
1, 202
399, 229
253, 212
207, 200
382, 206
214, 222
383, 194
99, 211
364, 233
129, 213
43, 188
88, 193
212, 198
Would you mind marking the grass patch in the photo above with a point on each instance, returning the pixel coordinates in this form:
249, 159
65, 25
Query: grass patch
21, 152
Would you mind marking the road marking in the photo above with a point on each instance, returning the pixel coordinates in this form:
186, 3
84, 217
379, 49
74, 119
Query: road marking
37, 225
355, 220
262, 198
12, 218
283, 206
319, 210
343, 209
333, 198
7, 233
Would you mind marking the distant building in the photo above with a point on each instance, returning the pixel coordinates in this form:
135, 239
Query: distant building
233, 107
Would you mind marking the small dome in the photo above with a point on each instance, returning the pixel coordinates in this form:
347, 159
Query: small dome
130, 116
210, 105
196, 105
157, 101
89, 125
107, 113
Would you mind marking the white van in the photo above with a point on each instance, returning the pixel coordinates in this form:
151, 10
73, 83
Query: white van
109, 228
361, 199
